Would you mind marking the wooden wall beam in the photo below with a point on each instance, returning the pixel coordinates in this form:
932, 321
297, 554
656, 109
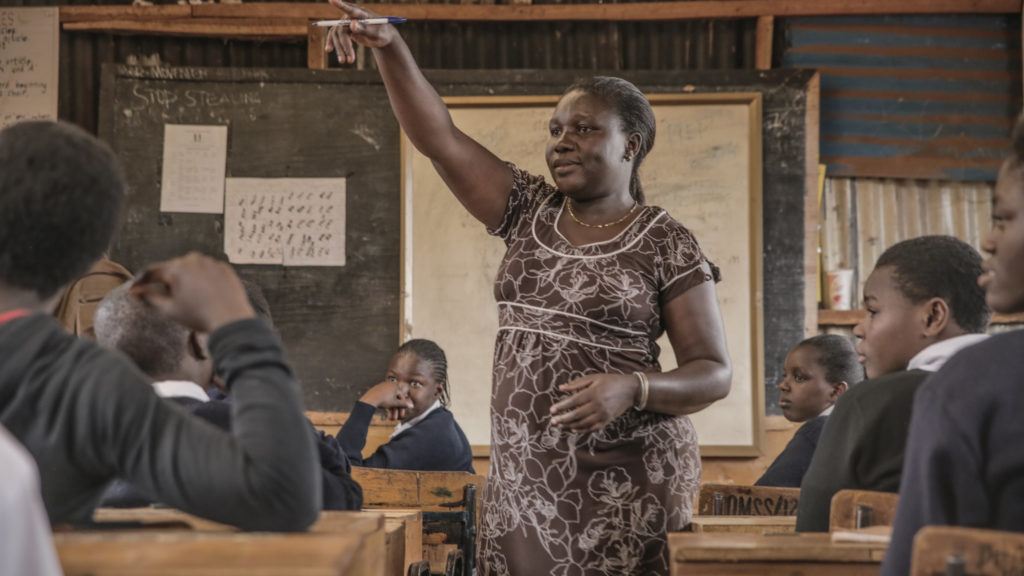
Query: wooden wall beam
633, 12
636, 12
204, 27
763, 42
316, 57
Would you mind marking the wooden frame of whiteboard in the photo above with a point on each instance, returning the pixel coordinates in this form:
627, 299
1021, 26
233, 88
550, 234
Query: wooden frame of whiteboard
753, 102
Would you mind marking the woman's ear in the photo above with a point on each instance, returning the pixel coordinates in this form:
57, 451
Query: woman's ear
633, 143
838, 389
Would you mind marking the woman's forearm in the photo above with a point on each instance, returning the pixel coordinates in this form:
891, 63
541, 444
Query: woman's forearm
689, 388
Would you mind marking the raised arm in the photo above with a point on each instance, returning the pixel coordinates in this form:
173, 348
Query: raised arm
479, 179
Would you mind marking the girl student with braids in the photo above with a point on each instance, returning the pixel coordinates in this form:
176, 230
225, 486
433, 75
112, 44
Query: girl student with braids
816, 373
593, 459
415, 392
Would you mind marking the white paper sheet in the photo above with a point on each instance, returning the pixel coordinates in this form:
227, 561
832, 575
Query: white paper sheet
195, 158
29, 50
289, 221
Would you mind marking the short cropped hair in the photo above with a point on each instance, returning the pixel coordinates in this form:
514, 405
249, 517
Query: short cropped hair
941, 267
61, 192
837, 356
153, 341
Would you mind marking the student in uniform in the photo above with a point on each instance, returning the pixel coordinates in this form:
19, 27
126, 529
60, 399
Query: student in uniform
415, 391
964, 464
87, 415
178, 360
923, 305
816, 373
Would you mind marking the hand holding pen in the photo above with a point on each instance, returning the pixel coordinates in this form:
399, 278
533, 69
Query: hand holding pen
358, 29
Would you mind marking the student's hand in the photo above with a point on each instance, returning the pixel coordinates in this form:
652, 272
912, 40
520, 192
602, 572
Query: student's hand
196, 291
389, 397
594, 402
340, 38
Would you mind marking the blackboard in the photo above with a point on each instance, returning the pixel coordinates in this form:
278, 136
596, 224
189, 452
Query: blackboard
340, 324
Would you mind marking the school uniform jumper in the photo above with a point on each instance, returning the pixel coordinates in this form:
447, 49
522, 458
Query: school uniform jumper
788, 469
88, 415
340, 491
964, 463
435, 443
862, 445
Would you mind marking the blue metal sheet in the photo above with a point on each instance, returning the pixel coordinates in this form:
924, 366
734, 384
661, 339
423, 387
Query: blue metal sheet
912, 96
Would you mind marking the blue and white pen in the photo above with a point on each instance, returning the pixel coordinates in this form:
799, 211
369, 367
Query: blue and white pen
349, 21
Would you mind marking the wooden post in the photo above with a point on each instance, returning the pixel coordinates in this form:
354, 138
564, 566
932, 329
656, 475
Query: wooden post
763, 42
316, 39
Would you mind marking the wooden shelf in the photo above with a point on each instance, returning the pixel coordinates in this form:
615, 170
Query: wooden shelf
851, 317
288, 20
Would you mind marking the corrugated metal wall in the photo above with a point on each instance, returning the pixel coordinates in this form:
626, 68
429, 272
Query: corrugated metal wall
912, 96
697, 45
864, 216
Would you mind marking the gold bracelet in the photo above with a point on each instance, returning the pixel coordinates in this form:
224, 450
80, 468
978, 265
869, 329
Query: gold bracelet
645, 388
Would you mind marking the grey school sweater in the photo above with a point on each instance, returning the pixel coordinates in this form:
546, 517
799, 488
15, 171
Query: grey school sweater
87, 415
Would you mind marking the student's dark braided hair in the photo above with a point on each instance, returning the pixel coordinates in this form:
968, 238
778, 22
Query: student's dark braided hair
429, 351
837, 356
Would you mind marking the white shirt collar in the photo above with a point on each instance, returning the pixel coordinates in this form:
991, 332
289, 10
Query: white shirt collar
403, 426
180, 389
933, 357
827, 411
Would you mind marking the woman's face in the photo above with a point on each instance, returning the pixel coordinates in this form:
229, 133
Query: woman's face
414, 378
587, 149
1003, 277
804, 393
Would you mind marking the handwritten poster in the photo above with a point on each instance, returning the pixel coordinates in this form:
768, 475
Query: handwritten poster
287, 221
195, 158
29, 40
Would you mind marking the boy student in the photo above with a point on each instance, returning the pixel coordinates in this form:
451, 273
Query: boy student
923, 305
179, 362
964, 463
88, 415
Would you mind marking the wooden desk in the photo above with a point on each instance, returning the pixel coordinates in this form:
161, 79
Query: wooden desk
404, 538
367, 527
743, 524
188, 553
782, 555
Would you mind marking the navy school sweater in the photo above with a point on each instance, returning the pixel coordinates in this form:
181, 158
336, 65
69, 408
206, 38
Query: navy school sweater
436, 443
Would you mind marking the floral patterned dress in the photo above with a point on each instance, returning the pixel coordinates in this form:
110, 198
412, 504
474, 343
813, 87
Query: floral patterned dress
567, 503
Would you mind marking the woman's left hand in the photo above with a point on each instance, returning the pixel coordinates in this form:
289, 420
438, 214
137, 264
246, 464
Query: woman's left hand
596, 400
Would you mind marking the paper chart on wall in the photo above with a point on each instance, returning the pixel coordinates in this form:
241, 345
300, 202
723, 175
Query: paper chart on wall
195, 157
285, 221
29, 47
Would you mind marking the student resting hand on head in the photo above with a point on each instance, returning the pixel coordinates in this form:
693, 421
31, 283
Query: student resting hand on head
88, 415
965, 464
923, 305
590, 438
415, 391
179, 362
817, 372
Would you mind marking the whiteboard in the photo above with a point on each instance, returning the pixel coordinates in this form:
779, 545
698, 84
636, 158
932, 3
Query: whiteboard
705, 170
